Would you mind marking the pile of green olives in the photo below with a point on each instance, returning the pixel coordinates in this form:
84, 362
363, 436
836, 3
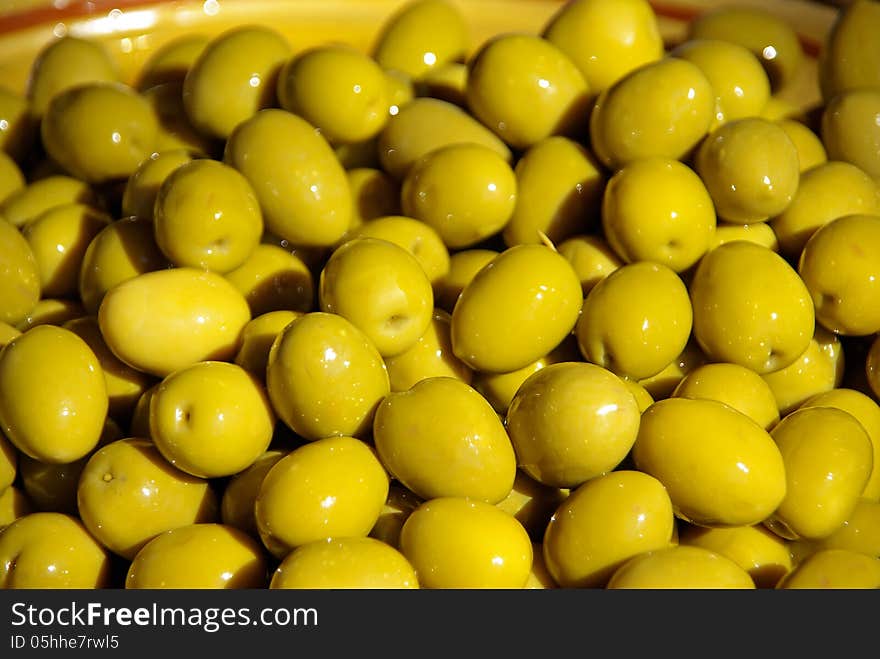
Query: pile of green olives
581, 307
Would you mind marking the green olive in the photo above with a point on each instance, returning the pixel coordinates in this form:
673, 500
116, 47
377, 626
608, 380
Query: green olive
770, 37
605, 522
19, 275
741, 85
171, 61
840, 265
421, 36
661, 109
418, 238
465, 192
11, 177
380, 288
142, 187
516, 309
850, 130
405, 138
337, 89
325, 378
18, 127
463, 266
99, 131
301, 187
40, 195
751, 307
750, 168
176, 131
658, 209
592, 257
64, 63
526, 89
462, 448
121, 250
274, 279
606, 40
207, 216
811, 151
850, 57
636, 321
374, 194
825, 192
59, 239
570, 422
233, 77
559, 187
828, 459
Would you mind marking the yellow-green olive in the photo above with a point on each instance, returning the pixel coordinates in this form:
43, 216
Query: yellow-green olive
273, 279
332, 487
737, 386
516, 309
834, 568
751, 307
344, 563
819, 369
635, 321
53, 396
301, 187
381, 289
867, 412
559, 186
325, 378
59, 238
67, 62
602, 524
52, 550
430, 356
120, 251
840, 267
160, 321
761, 553
233, 77
171, 61
741, 85
526, 89
338, 89
42, 194
658, 209
441, 438
419, 238
571, 422
465, 192
681, 567
592, 258
421, 36
99, 132
663, 108
828, 459
811, 151
19, 275
850, 57
751, 169
454, 542
142, 187
719, 466
827, 191
404, 139
769, 36
604, 40
850, 131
